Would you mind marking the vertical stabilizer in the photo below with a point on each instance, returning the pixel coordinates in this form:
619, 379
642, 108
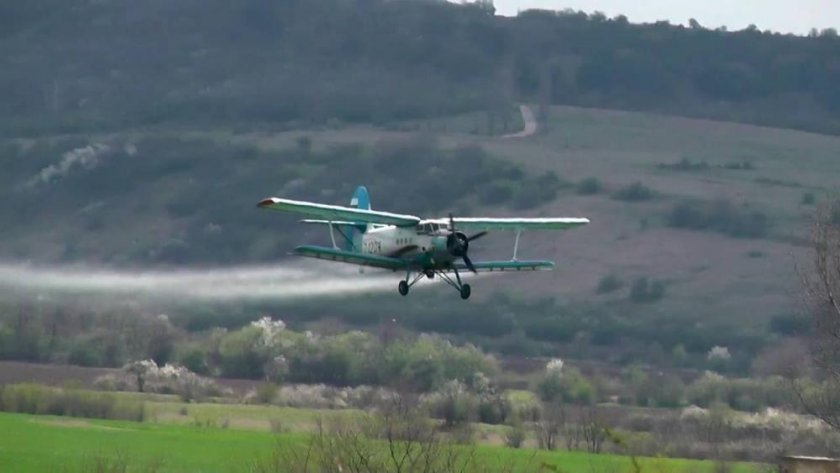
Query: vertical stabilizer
360, 200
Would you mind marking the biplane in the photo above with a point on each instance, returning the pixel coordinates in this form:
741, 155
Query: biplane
419, 247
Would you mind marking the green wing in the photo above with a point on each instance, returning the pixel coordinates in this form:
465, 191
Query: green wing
361, 259
493, 266
338, 212
482, 224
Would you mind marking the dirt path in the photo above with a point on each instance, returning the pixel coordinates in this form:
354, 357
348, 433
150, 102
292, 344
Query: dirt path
530, 123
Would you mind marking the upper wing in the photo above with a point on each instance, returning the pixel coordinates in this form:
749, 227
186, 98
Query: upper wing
491, 266
338, 212
479, 224
332, 254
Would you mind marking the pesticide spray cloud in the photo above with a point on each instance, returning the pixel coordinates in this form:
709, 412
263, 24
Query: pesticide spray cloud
220, 284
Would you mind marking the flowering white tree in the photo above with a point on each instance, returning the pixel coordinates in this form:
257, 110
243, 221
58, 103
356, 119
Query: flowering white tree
140, 370
554, 366
170, 379
270, 329
718, 353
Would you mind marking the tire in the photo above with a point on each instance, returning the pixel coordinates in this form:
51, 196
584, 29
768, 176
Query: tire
403, 288
430, 274
466, 290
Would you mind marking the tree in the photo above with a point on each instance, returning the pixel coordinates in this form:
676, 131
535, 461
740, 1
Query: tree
550, 425
822, 302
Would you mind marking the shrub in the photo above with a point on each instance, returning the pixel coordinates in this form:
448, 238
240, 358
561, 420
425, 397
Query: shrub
808, 198
644, 292
493, 408
43, 400
527, 197
609, 283
516, 433
636, 192
266, 392
568, 386
453, 403
789, 325
721, 216
147, 376
739, 166
538, 190
685, 164
588, 186
553, 329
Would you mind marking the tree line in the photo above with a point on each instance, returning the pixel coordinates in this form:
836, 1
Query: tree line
100, 66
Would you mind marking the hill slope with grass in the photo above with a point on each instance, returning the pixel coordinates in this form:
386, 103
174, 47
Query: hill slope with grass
697, 225
140, 135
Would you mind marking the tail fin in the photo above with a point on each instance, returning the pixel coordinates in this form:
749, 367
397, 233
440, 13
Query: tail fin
360, 200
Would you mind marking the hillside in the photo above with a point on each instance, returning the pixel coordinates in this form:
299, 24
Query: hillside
76, 65
141, 135
145, 199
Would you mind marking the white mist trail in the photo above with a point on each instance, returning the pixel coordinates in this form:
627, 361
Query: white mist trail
220, 284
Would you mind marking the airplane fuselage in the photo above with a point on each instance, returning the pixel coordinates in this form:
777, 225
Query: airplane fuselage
426, 241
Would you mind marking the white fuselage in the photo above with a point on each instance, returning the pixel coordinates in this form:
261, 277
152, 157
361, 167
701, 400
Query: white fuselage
407, 242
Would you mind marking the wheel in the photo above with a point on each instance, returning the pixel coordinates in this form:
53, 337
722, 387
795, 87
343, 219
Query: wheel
465, 291
403, 288
430, 274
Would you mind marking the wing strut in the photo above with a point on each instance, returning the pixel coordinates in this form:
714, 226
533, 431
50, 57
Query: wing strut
516, 244
332, 236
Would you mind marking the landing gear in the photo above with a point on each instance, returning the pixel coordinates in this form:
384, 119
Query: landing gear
405, 285
464, 290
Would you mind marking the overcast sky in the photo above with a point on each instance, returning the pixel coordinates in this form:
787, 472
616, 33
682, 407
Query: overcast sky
795, 16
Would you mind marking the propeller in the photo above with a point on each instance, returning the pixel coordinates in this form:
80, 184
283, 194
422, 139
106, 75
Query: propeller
458, 243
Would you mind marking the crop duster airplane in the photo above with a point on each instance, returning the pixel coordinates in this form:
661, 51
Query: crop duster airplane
408, 243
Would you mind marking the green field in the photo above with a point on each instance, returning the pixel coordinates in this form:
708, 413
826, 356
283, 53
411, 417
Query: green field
44, 444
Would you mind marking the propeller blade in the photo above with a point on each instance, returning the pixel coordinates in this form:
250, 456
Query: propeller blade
476, 236
469, 264
451, 222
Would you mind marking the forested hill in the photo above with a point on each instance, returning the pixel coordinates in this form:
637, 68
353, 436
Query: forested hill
71, 65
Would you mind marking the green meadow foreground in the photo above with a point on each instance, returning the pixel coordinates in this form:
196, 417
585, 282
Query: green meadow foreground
45, 443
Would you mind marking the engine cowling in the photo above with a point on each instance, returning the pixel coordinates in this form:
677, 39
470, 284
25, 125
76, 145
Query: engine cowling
439, 244
457, 244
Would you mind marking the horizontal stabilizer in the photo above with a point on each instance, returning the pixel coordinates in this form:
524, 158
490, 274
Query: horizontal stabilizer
328, 222
351, 257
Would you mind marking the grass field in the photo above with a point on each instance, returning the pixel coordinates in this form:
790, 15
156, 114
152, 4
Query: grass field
39, 444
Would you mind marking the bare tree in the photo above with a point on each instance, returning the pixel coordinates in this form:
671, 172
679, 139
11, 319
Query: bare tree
822, 291
550, 425
593, 429
396, 438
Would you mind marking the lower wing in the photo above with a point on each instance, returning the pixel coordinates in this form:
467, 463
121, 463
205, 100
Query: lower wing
493, 266
351, 257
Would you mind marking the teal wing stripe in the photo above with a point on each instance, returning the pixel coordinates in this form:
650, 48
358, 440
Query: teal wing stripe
492, 266
351, 257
